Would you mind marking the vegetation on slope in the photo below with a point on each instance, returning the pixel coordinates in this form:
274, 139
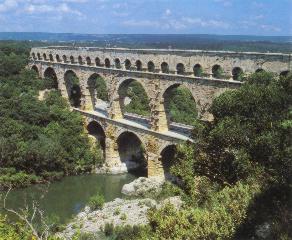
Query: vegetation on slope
39, 140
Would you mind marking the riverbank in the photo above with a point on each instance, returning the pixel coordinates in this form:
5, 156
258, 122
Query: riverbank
119, 212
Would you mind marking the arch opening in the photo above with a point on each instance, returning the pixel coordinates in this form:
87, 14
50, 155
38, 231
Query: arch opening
45, 57
80, 60
217, 71
58, 58
95, 130
97, 90
127, 64
151, 66
64, 58
164, 67
73, 88
133, 98
167, 157
179, 105
97, 62
35, 68
88, 61
72, 60
237, 74
51, 58
132, 154
50, 79
117, 63
259, 70
107, 63
139, 65
33, 55
39, 56
198, 70
180, 69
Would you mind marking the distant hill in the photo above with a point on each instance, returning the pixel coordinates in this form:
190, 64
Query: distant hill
180, 41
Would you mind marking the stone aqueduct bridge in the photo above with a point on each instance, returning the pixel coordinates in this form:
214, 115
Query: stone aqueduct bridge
158, 71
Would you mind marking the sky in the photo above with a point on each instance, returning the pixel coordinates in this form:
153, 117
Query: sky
228, 17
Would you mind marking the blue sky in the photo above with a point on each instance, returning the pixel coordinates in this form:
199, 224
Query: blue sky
247, 17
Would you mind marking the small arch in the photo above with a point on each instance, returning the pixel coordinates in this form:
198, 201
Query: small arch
180, 69
117, 63
164, 67
64, 58
45, 57
127, 64
284, 73
97, 62
72, 60
198, 70
131, 153
88, 61
33, 55
51, 57
96, 130
167, 157
139, 65
73, 88
39, 56
80, 60
150, 66
35, 68
217, 71
50, 79
237, 74
58, 58
107, 63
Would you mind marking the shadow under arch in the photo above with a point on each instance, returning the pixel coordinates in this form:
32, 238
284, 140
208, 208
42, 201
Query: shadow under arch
97, 89
179, 105
133, 98
73, 88
166, 157
50, 78
95, 130
35, 68
132, 154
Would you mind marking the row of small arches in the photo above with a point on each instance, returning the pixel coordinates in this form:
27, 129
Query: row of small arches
217, 70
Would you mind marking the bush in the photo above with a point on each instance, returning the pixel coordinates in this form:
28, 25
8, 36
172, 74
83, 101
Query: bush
108, 229
96, 202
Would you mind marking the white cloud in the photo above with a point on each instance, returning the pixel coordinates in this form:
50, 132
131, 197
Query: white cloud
270, 28
225, 3
75, 1
8, 5
141, 23
167, 12
206, 23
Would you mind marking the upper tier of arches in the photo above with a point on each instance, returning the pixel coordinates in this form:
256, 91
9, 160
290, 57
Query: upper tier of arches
216, 71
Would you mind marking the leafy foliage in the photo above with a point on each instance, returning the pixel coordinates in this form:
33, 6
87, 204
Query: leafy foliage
96, 202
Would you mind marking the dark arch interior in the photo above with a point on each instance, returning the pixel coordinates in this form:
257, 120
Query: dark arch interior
50, 81
45, 56
139, 65
97, 89
198, 70
259, 70
237, 74
88, 61
180, 69
72, 59
151, 66
97, 61
117, 63
107, 63
39, 56
73, 88
51, 57
96, 130
127, 64
180, 105
58, 58
133, 98
80, 60
34, 68
217, 71
284, 73
131, 153
64, 58
164, 67
167, 157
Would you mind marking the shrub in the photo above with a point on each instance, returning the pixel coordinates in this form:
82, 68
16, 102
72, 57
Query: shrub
108, 229
117, 211
96, 202
123, 216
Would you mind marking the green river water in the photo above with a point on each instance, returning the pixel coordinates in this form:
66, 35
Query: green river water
66, 198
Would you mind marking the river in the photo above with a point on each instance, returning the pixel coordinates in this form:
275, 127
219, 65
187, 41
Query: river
63, 199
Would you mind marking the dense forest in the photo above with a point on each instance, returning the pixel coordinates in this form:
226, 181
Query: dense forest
235, 178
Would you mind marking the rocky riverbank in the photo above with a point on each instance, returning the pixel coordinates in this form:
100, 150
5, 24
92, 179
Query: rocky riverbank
121, 212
